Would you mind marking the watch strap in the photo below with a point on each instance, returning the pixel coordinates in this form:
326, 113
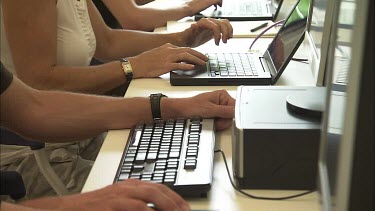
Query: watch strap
155, 105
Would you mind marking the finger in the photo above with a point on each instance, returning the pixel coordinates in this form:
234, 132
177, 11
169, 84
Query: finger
229, 26
192, 52
154, 193
213, 27
174, 196
225, 98
216, 3
221, 124
121, 204
223, 111
181, 66
225, 29
221, 3
189, 58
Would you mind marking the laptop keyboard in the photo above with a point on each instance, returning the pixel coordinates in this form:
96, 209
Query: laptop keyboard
231, 64
177, 153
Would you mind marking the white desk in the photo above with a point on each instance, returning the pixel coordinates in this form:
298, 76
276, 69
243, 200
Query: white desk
222, 196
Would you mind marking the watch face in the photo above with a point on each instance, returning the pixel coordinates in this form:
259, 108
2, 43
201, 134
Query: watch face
127, 68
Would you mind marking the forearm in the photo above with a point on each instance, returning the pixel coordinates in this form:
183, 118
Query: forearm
16, 207
114, 44
81, 116
60, 203
91, 79
132, 16
63, 116
126, 43
149, 13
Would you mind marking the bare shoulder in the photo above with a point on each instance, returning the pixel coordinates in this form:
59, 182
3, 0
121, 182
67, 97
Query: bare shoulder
28, 11
31, 26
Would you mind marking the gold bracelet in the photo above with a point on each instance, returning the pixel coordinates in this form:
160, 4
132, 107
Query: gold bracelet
127, 68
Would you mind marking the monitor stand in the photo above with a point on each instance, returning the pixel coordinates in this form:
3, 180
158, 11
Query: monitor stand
309, 104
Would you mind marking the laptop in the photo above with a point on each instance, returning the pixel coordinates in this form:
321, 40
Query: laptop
234, 69
243, 10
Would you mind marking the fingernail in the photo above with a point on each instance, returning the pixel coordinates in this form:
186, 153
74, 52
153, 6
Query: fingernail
186, 207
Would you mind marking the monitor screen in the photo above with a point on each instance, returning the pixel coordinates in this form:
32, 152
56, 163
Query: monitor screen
319, 8
345, 86
321, 20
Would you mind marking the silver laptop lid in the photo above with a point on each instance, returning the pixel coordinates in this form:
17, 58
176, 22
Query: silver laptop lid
287, 40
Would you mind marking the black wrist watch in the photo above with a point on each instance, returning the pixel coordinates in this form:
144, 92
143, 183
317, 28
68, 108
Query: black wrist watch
155, 105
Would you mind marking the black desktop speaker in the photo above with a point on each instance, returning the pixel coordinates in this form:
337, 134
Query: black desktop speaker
280, 159
274, 147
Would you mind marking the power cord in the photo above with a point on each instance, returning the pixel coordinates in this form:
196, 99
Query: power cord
258, 197
278, 23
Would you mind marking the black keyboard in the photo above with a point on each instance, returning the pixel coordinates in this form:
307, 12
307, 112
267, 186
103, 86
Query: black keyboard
231, 64
177, 153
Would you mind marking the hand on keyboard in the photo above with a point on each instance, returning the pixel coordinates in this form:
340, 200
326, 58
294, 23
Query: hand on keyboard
129, 195
217, 104
206, 29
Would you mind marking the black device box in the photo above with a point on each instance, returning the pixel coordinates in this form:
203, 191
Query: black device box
273, 148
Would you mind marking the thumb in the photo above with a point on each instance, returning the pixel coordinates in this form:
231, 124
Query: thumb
223, 111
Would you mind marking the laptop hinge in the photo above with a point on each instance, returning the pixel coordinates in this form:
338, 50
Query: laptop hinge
266, 67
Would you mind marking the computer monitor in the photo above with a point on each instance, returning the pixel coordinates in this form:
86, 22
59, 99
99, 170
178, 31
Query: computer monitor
346, 158
317, 37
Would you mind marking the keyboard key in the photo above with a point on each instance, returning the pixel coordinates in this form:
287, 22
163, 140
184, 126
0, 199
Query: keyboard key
174, 154
190, 164
163, 156
135, 176
160, 167
169, 181
141, 157
128, 159
151, 156
123, 177
138, 168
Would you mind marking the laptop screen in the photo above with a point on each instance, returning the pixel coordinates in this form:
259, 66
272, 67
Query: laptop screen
284, 44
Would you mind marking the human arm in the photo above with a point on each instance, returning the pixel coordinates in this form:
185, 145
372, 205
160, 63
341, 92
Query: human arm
31, 30
112, 42
64, 116
32, 27
132, 16
127, 195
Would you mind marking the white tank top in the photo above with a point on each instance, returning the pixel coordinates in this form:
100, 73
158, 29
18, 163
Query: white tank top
76, 41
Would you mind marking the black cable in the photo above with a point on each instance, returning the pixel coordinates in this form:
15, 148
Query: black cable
257, 197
